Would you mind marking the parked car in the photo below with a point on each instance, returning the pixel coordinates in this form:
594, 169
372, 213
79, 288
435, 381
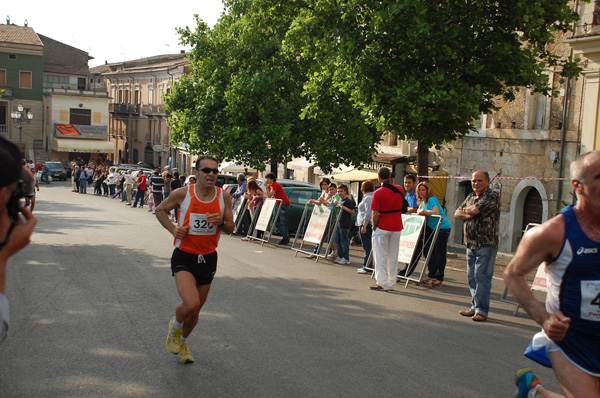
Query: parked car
57, 171
288, 183
230, 188
299, 197
146, 165
227, 179
132, 167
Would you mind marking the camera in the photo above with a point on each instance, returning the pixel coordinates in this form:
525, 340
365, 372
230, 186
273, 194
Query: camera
24, 186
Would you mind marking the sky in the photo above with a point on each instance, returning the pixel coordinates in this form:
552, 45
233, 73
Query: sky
110, 30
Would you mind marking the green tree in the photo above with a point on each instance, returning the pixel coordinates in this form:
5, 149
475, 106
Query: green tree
245, 97
427, 69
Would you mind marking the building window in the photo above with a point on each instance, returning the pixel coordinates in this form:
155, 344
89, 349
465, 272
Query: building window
81, 83
2, 77
80, 116
24, 79
3, 114
56, 80
12, 56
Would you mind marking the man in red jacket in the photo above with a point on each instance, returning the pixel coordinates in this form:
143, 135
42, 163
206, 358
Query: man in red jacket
388, 204
141, 190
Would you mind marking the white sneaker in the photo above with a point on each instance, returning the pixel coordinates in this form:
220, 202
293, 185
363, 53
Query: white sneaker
334, 255
362, 271
337, 260
344, 261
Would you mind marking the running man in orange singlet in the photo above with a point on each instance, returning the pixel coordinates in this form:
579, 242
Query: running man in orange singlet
205, 211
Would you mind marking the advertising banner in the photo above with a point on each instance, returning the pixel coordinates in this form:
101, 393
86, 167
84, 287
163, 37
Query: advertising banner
413, 224
265, 214
317, 225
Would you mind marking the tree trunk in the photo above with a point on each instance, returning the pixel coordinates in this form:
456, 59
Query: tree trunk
422, 160
274, 167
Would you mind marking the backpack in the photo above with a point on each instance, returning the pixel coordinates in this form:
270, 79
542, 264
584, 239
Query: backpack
400, 191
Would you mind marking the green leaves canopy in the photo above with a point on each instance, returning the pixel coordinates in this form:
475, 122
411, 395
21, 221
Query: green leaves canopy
324, 79
245, 95
427, 69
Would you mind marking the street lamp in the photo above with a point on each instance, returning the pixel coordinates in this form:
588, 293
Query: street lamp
19, 116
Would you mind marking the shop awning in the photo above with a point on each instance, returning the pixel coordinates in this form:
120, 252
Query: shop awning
236, 168
82, 145
355, 175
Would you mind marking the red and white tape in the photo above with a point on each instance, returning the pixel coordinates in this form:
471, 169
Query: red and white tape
502, 178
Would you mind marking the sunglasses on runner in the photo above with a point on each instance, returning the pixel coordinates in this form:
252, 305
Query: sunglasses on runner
207, 170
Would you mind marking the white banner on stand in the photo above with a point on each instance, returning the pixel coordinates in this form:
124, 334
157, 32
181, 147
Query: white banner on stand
265, 214
238, 208
413, 224
317, 225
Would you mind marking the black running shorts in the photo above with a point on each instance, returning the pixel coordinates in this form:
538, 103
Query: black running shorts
203, 267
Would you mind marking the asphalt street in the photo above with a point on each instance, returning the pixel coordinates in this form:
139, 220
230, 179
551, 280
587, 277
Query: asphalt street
92, 295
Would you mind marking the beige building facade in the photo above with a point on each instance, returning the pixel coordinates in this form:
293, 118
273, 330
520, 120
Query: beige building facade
586, 45
137, 118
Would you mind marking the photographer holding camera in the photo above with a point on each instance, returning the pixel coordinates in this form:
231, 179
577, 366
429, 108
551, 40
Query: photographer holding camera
15, 232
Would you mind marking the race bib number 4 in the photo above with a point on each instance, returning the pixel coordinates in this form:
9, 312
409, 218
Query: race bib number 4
199, 225
590, 300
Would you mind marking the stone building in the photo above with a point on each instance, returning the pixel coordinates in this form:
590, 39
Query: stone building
586, 45
528, 145
75, 118
48, 80
138, 122
21, 64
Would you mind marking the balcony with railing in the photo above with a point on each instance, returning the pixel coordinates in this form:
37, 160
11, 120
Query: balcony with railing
4, 130
154, 110
73, 90
8, 92
131, 109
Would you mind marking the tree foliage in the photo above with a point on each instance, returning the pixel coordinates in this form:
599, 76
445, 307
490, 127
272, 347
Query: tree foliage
427, 69
325, 78
244, 98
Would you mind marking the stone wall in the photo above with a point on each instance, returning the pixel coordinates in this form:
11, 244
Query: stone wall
511, 156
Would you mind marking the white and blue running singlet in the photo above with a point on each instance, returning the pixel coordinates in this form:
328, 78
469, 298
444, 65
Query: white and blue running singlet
574, 289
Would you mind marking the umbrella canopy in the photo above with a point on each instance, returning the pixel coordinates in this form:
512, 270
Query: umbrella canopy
355, 175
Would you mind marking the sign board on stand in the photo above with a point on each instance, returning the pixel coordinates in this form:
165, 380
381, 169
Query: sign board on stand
238, 206
265, 222
413, 225
409, 237
262, 224
539, 281
317, 225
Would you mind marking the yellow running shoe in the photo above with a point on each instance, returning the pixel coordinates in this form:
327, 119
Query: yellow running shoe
173, 339
184, 354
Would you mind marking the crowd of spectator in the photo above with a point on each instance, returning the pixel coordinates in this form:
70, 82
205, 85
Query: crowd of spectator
131, 186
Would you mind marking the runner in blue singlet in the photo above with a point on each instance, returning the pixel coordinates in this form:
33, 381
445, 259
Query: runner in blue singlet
569, 246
